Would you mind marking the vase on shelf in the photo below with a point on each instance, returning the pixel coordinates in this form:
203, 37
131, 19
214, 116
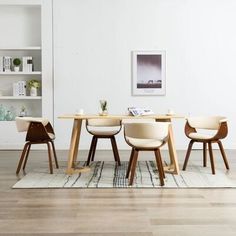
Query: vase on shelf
9, 116
33, 92
16, 68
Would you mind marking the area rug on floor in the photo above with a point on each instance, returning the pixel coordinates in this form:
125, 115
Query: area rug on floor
109, 175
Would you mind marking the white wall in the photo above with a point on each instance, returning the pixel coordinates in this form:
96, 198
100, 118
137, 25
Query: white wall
93, 41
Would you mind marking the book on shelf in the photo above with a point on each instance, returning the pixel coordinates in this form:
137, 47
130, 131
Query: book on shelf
19, 88
28, 64
1, 64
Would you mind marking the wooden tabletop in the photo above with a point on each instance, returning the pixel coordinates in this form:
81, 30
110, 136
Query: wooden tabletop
94, 116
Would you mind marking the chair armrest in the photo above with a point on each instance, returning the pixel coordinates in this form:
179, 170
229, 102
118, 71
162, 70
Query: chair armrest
222, 131
189, 129
37, 132
49, 128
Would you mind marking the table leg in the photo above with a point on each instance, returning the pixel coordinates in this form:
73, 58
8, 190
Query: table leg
173, 167
73, 152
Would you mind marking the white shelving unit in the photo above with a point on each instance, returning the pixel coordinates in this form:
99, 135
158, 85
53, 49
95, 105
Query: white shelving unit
20, 98
27, 31
21, 72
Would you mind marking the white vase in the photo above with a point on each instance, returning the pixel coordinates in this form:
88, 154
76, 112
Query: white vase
16, 68
33, 92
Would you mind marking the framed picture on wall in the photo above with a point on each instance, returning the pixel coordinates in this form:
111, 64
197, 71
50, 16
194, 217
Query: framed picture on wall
148, 73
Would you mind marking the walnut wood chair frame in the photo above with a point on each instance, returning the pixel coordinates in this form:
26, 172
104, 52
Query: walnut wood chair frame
221, 133
133, 162
93, 145
134, 157
38, 134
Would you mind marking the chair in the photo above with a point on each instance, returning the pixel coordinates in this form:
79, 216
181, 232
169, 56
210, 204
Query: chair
194, 130
146, 137
39, 130
103, 128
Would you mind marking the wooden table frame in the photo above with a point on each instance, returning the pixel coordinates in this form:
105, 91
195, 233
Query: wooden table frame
173, 167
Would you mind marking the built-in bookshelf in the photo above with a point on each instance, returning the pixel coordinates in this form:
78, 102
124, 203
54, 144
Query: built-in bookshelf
24, 24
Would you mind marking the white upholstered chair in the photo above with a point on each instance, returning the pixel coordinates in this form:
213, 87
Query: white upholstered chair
103, 128
146, 137
39, 130
206, 130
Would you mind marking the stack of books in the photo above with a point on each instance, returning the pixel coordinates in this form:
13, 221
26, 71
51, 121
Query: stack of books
5, 64
19, 88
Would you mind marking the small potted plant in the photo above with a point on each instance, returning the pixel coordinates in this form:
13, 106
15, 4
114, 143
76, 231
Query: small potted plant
34, 85
103, 105
23, 111
17, 63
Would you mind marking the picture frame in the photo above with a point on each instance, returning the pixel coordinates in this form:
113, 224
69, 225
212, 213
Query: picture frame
148, 73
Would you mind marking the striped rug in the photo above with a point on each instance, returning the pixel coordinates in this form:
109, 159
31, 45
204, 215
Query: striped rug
109, 175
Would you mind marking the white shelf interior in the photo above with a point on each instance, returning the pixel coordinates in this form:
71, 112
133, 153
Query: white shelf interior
20, 98
20, 48
21, 73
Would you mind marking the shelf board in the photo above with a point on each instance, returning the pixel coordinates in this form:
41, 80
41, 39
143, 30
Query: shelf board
20, 98
21, 73
20, 48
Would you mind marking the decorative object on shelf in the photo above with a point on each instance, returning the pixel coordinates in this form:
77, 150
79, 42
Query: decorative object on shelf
9, 116
23, 111
103, 105
34, 85
2, 112
19, 88
17, 63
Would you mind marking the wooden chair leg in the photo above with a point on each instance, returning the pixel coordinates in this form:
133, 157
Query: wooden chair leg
94, 147
50, 158
204, 154
115, 150
162, 168
130, 163
159, 167
188, 154
211, 158
133, 167
223, 154
90, 151
26, 156
22, 158
54, 154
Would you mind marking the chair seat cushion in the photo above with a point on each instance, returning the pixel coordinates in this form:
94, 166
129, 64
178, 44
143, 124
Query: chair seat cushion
201, 136
144, 143
103, 132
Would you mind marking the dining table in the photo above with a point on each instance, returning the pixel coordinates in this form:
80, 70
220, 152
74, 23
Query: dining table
171, 167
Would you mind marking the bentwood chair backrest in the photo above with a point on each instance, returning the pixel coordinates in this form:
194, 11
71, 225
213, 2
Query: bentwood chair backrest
153, 130
22, 123
211, 122
106, 122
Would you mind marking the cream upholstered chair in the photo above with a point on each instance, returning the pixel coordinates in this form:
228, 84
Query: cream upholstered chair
103, 128
194, 129
146, 137
39, 130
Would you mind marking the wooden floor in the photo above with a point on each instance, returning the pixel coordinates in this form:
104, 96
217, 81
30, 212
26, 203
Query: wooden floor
113, 212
